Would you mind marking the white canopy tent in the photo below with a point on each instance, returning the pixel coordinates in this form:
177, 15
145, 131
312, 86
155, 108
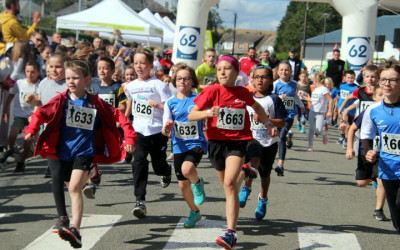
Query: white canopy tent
168, 34
150, 41
107, 16
168, 22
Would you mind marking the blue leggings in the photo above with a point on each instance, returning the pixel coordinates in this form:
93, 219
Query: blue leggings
282, 136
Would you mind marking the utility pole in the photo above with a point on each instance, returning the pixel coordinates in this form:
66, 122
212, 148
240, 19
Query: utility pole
303, 55
234, 33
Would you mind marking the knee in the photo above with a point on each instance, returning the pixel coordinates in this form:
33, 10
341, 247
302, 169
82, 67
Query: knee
74, 189
363, 183
229, 186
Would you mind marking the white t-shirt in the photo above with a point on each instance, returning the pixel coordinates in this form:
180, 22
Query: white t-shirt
318, 101
50, 88
20, 90
242, 79
147, 120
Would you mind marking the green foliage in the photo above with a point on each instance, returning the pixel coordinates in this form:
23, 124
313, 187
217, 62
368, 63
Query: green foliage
214, 23
290, 31
56, 5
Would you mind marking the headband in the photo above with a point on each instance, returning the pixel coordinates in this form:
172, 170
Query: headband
231, 60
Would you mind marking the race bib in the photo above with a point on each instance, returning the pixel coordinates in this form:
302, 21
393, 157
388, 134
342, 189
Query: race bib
108, 98
257, 125
208, 79
364, 105
288, 102
315, 97
232, 119
81, 117
390, 143
376, 144
186, 130
143, 109
344, 94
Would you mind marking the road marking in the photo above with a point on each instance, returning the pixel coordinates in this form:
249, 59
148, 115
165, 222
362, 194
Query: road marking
2, 215
202, 236
310, 238
92, 229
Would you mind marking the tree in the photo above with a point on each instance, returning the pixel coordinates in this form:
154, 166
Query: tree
214, 23
291, 28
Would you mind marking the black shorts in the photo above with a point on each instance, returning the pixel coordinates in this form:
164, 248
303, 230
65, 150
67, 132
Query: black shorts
266, 155
350, 119
81, 162
194, 155
218, 151
366, 170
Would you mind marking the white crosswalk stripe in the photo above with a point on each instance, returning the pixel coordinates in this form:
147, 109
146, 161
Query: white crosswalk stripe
310, 238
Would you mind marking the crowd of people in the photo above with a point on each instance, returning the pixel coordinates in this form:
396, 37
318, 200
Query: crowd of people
82, 104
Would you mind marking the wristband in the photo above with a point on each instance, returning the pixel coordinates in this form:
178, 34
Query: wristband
166, 131
268, 123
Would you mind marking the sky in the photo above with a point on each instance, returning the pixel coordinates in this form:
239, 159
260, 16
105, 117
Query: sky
251, 14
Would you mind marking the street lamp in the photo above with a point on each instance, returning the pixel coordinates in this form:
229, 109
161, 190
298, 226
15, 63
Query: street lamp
325, 15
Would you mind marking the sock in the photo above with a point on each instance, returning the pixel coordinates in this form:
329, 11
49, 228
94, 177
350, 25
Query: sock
231, 230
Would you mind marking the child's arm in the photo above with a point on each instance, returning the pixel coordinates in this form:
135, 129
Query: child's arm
7, 107
129, 132
329, 113
307, 98
350, 141
33, 100
156, 105
128, 110
122, 107
167, 129
345, 102
196, 114
347, 110
259, 110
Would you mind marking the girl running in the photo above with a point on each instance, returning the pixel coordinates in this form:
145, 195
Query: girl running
303, 86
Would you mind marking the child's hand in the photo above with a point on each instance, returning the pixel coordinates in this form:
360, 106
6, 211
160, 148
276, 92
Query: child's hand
256, 118
29, 137
350, 153
29, 98
118, 124
153, 103
370, 156
274, 132
129, 148
329, 114
213, 112
169, 125
283, 96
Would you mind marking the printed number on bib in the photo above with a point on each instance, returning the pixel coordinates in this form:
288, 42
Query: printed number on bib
364, 105
288, 102
315, 97
108, 98
81, 117
376, 144
143, 109
257, 125
232, 119
391, 143
208, 79
186, 130
344, 94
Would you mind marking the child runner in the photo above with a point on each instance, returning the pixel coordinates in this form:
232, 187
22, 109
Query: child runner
383, 117
303, 87
228, 131
346, 89
188, 141
81, 128
367, 171
206, 72
148, 95
26, 90
262, 150
286, 89
321, 106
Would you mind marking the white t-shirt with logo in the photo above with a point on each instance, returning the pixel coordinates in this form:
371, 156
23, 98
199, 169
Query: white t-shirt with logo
318, 101
20, 90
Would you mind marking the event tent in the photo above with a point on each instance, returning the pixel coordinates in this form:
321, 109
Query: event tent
168, 22
168, 32
107, 16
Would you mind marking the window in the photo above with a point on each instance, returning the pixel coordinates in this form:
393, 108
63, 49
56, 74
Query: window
228, 45
251, 45
240, 45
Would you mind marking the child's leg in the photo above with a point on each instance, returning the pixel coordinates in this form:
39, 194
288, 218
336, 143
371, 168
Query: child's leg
233, 166
311, 128
187, 193
393, 199
25, 152
282, 144
158, 154
12, 137
78, 180
319, 122
57, 184
140, 166
380, 195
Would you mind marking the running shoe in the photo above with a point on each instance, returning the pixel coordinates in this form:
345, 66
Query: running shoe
47, 173
62, 222
228, 241
5, 155
170, 157
279, 170
249, 172
340, 140
375, 184
325, 139
20, 168
96, 179
243, 195
198, 192
303, 130
309, 149
192, 219
379, 215
261, 210
289, 141
89, 191
72, 236
165, 181
299, 126
140, 210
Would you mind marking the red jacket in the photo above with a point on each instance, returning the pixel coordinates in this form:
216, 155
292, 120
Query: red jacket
106, 134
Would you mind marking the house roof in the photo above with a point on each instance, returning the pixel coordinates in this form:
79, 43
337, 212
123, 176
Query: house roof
242, 38
384, 26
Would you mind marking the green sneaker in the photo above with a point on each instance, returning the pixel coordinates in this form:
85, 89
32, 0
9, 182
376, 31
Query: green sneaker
198, 192
193, 218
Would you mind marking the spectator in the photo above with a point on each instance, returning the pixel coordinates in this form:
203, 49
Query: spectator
249, 61
296, 64
55, 41
335, 68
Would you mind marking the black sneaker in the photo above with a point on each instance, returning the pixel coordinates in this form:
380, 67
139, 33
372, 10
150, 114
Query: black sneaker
62, 222
279, 170
72, 236
5, 155
20, 168
165, 181
379, 215
140, 210
47, 173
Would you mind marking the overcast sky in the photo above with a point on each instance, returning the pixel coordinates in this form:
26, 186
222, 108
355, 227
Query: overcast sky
251, 14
